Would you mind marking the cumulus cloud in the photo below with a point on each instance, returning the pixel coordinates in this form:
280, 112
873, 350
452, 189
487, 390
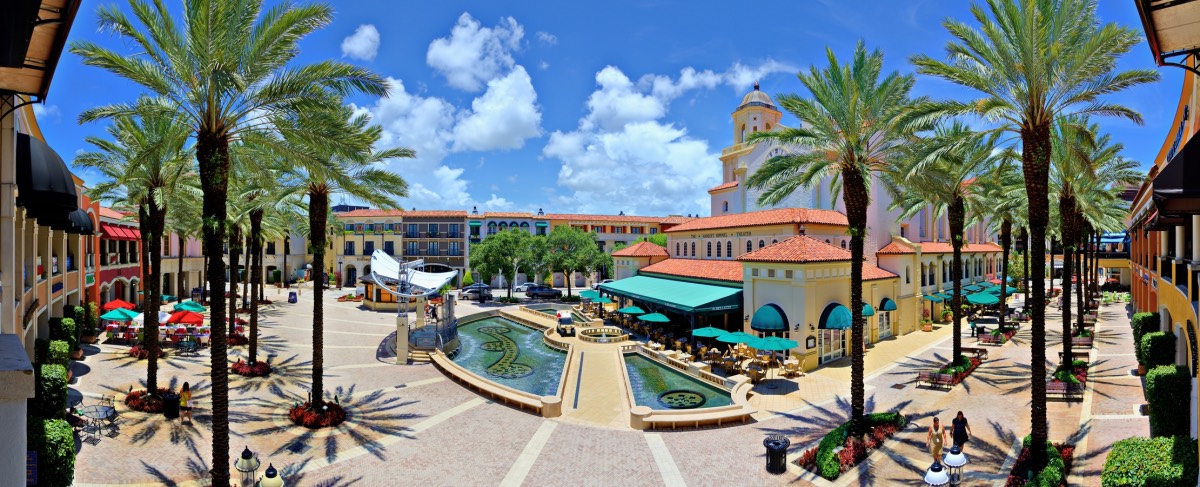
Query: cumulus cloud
474, 54
547, 38
742, 77
45, 112
363, 44
618, 102
503, 117
496, 203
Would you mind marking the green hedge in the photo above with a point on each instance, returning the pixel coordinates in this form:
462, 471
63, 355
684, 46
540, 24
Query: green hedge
50, 396
1142, 323
58, 353
1054, 475
41, 347
54, 443
1158, 348
1151, 462
1168, 390
828, 464
64, 329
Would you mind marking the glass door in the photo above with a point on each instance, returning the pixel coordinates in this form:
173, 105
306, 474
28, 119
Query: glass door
832, 347
885, 324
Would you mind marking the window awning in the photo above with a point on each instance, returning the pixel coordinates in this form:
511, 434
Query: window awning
114, 232
769, 318
680, 296
541, 224
887, 305
45, 186
836, 317
1177, 186
475, 224
868, 310
933, 297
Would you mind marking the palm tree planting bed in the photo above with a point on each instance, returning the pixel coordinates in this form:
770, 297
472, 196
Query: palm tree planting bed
838, 451
246, 369
1060, 456
329, 415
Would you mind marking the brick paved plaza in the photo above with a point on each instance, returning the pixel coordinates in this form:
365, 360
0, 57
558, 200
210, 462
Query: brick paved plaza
410, 425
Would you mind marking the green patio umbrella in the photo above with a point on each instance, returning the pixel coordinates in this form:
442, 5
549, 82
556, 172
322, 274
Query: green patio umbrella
986, 284
774, 344
602, 300
708, 332
190, 306
654, 318
119, 314
983, 299
632, 310
589, 294
1008, 290
736, 337
972, 288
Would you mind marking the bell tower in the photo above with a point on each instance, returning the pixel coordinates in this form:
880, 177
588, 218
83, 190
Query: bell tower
756, 113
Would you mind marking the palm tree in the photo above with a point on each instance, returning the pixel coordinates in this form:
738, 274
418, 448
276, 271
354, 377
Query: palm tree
1004, 189
853, 125
225, 68
940, 172
318, 173
1034, 61
144, 162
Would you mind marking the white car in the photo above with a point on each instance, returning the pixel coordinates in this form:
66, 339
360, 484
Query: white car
596, 286
524, 286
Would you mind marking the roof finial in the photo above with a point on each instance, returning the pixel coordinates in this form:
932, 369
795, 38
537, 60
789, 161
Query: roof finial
756, 86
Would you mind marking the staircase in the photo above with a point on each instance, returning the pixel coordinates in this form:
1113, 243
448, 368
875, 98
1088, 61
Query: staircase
419, 355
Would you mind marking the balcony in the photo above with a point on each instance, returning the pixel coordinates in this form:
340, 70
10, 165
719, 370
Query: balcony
453, 253
411, 253
410, 235
453, 235
432, 253
432, 234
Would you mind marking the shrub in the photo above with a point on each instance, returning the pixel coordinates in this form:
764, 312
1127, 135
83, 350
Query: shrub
258, 369
64, 329
41, 347
55, 443
58, 352
569, 299
1158, 348
828, 464
236, 339
1053, 475
1151, 462
808, 459
141, 353
1142, 323
303, 415
139, 401
1079, 363
1168, 390
50, 397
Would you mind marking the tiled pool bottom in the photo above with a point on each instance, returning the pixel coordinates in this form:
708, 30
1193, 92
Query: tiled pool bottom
661, 387
510, 354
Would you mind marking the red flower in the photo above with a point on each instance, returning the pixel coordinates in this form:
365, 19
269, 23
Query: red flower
303, 415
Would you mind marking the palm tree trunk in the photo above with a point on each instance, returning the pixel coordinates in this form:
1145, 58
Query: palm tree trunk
1081, 276
249, 281
212, 155
318, 212
148, 216
957, 217
1006, 244
179, 272
1025, 262
256, 217
284, 274
854, 194
1066, 210
1035, 159
235, 239
203, 277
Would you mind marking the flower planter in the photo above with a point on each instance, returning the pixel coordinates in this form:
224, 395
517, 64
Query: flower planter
77, 354
89, 339
330, 415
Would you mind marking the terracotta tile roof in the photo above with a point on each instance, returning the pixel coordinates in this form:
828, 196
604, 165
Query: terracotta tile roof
722, 187
677, 219
937, 248
403, 213
604, 218
872, 272
106, 212
717, 270
780, 216
798, 249
507, 214
641, 249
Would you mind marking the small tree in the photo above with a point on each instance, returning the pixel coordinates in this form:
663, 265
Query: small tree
659, 239
535, 260
502, 254
573, 250
467, 280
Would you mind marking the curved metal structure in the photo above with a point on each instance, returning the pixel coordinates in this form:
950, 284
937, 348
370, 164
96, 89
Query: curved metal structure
407, 281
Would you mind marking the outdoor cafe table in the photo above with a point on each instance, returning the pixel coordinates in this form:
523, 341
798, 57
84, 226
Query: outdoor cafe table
95, 414
655, 346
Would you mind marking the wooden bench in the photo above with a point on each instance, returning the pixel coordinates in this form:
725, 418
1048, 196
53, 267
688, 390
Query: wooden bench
934, 379
979, 353
1067, 391
991, 340
1076, 355
1081, 342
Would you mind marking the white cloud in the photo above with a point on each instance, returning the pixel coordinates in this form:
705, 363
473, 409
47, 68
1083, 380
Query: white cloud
363, 44
742, 77
619, 102
44, 112
543, 65
474, 54
503, 117
547, 37
497, 203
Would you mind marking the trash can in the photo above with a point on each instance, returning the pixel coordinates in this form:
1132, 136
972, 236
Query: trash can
170, 405
196, 294
776, 454
292, 297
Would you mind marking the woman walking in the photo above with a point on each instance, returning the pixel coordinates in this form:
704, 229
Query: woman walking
935, 439
960, 430
185, 403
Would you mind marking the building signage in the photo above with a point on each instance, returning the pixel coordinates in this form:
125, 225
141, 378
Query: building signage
719, 235
811, 342
1178, 134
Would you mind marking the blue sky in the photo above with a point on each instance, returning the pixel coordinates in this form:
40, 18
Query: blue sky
592, 106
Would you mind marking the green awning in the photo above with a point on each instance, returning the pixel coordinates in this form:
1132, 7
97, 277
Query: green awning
541, 224
475, 224
868, 310
887, 305
681, 296
769, 318
589, 294
836, 317
632, 310
602, 300
945, 296
972, 288
119, 314
983, 299
986, 284
933, 297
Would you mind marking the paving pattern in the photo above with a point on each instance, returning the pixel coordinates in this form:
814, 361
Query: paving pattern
409, 422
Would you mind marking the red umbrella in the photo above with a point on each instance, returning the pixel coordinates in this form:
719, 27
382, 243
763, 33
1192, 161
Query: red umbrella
186, 317
994, 281
117, 303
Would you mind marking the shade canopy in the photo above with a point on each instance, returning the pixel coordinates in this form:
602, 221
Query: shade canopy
654, 318
989, 283
737, 337
631, 310
118, 303
774, 343
1114, 238
708, 332
933, 297
769, 317
887, 305
589, 294
836, 317
983, 299
994, 281
680, 296
119, 314
995, 291
190, 306
868, 310
404, 279
1177, 185
162, 317
972, 288
186, 317
46, 188
945, 296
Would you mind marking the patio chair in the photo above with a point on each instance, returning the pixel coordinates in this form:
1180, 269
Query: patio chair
791, 369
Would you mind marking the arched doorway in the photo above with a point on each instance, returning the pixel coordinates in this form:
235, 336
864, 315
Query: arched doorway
834, 327
351, 274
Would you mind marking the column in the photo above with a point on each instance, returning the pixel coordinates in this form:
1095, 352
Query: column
11, 287
1195, 238
1163, 238
1180, 245
401, 336
16, 387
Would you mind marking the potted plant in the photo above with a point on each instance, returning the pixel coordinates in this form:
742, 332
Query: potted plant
85, 317
926, 325
947, 315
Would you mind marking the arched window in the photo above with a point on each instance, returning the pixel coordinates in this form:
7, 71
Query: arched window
676, 249
708, 250
907, 279
749, 246
718, 248
843, 244
725, 206
693, 249
761, 244
729, 248
773, 242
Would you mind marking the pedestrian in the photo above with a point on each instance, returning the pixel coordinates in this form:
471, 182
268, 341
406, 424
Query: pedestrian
935, 439
433, 312
185, 403
973, 331
960, 430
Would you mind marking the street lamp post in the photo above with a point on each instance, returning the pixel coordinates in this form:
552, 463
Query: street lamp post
271, 478
248, 465
955, 460
936, 475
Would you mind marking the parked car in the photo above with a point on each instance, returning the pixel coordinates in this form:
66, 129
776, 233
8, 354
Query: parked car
543, 292
523, 287
479, 285
596, 286
476, 293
